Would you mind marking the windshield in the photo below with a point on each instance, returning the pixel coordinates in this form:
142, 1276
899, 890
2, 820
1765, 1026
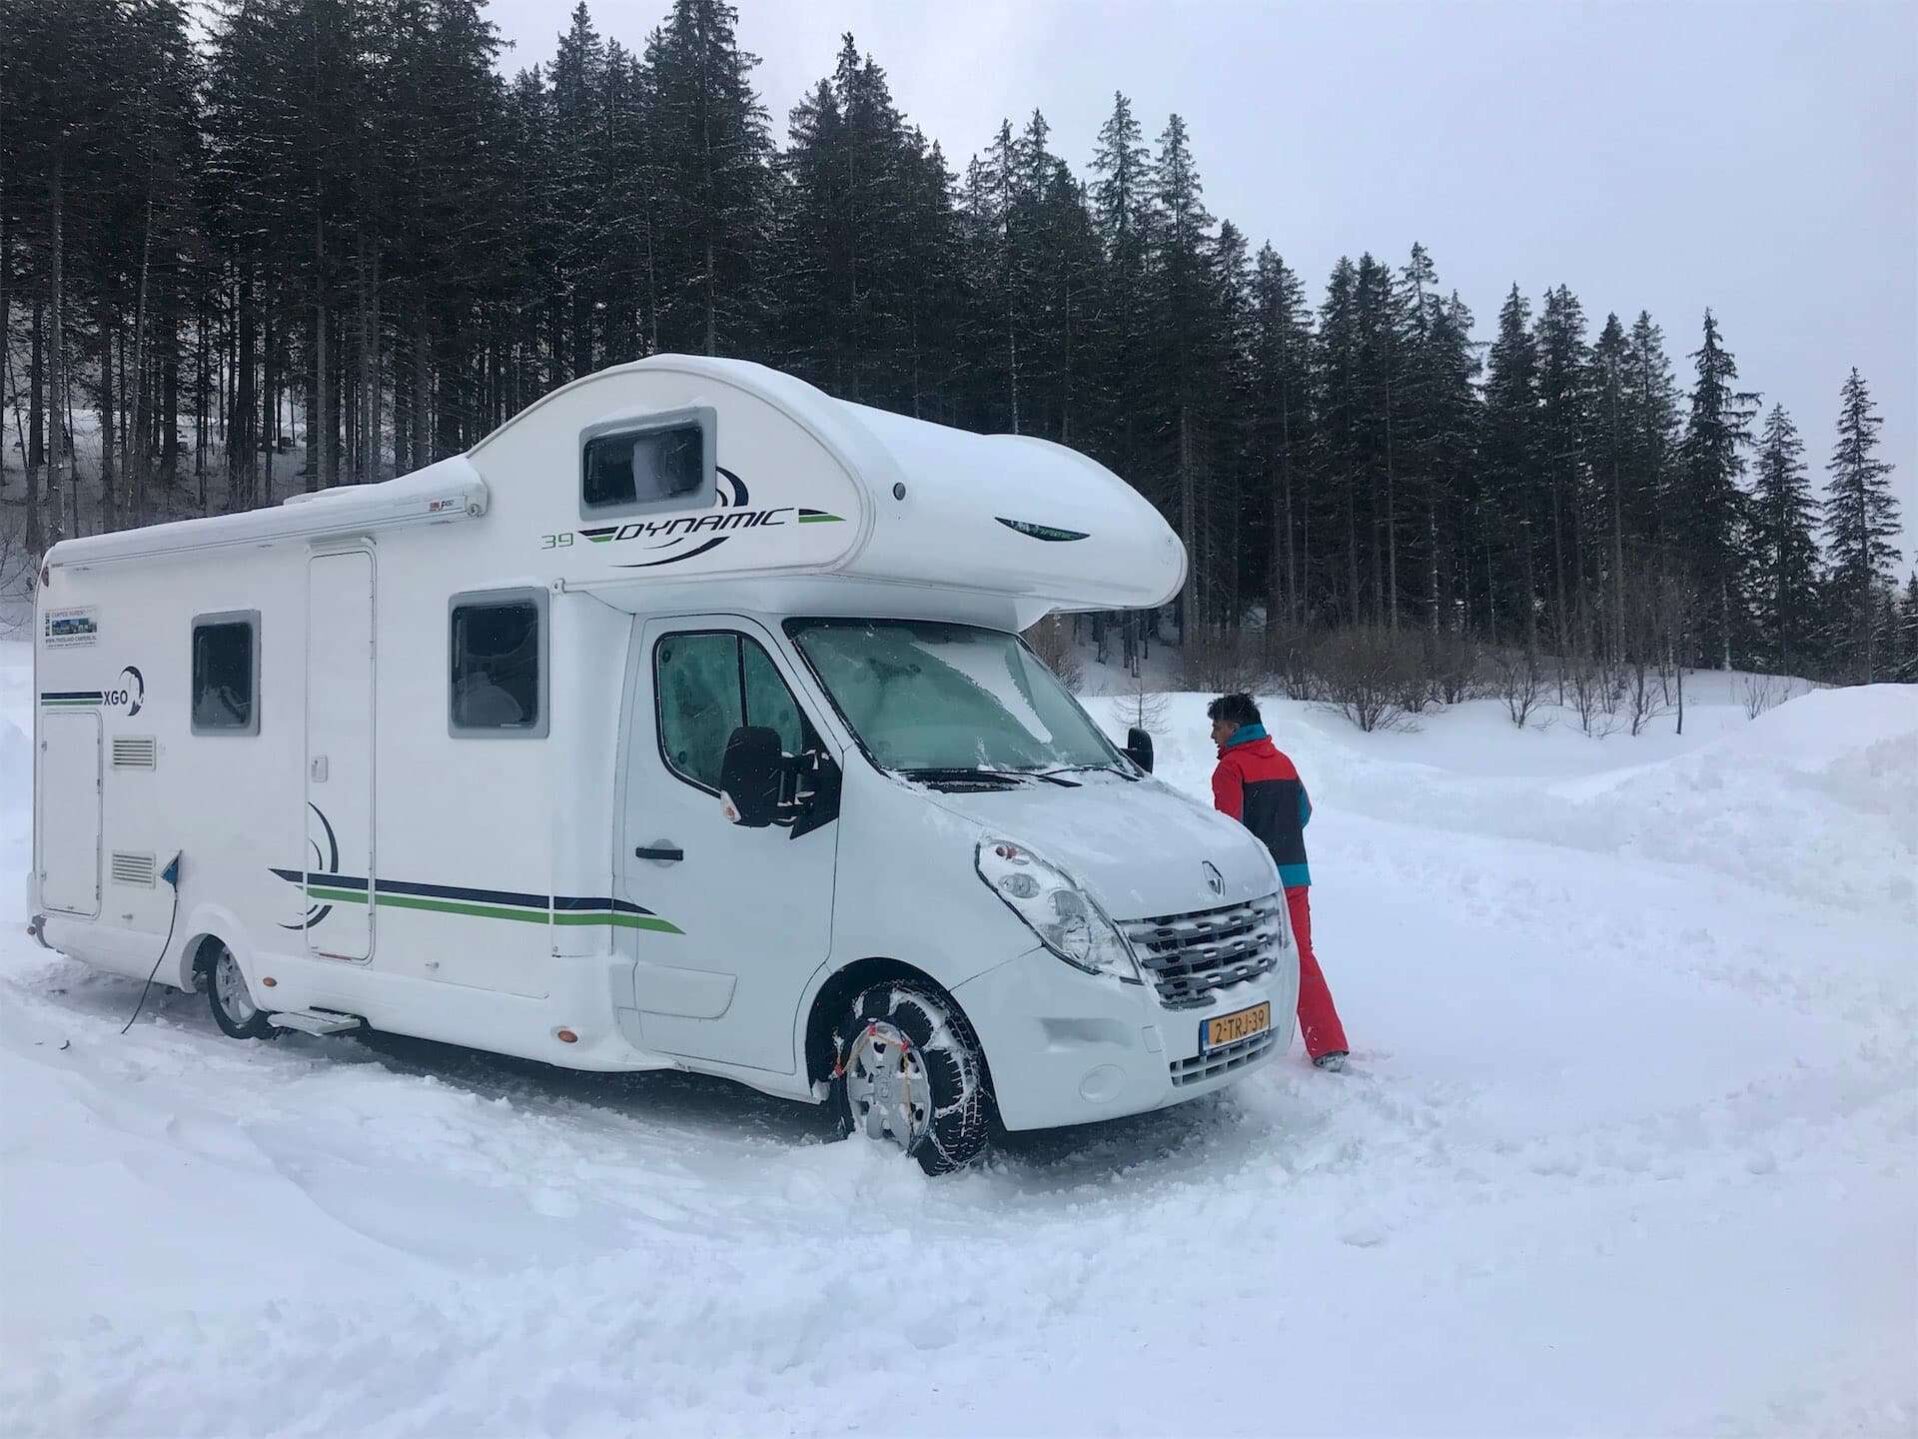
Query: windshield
928, 696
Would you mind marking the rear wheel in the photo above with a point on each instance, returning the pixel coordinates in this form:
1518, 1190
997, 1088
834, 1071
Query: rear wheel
232, 1001
908, 1072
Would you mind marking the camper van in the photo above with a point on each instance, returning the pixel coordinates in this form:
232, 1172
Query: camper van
682, 722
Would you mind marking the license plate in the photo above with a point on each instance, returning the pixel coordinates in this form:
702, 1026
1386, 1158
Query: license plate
1231, 1028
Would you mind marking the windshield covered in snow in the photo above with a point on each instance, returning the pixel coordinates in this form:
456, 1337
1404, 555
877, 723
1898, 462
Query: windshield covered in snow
927, 697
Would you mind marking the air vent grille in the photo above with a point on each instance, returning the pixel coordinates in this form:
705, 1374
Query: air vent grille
135, 752
132, 868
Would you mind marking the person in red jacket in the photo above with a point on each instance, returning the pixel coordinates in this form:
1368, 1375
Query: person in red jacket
1256, 784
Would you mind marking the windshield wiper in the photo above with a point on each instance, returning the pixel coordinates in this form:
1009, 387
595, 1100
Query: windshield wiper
1064, 769
961, 774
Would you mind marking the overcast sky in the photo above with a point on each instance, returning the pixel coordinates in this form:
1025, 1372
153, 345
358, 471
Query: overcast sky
1761, 159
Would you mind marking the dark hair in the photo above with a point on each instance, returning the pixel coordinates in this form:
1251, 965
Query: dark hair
1235, 710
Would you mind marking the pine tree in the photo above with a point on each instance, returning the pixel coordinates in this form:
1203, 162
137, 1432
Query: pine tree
1908, 631
577, 206
846, 280
715, 183
1509, 459
1338, 455
1712, 503
1122, 330
1281, 426
1564, 364
1449, 438
1649, 492
1784, 553
1183, 282
1861, 520
1371, 486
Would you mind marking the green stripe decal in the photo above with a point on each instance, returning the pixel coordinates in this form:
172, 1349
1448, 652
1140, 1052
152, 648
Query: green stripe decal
822, 519
389, 900
600, 539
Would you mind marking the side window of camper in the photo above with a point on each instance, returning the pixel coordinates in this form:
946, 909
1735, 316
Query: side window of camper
497, 665
226, 673
707, 684
664, 462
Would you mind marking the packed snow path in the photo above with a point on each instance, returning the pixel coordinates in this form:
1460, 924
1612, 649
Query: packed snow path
1627, 1146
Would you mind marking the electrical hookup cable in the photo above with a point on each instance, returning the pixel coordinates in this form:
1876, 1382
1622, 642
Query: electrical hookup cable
171, 874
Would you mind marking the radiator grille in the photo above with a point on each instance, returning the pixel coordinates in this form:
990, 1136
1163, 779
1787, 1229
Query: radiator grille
1191, 955
1223, 1060
128, 868
135, 752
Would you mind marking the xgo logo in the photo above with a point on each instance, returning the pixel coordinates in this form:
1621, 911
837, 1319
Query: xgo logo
131, 693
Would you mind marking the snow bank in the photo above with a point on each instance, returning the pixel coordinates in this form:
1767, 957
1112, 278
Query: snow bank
16, 819
1625, 1148
16, 777
1817, 798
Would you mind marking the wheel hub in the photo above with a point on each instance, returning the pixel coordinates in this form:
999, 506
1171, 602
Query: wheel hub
230, 985
887, 1087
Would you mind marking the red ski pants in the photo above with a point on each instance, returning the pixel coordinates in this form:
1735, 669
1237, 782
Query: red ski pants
1319, 1023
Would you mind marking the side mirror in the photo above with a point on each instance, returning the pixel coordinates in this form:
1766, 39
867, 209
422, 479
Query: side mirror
1138, 748
749, 775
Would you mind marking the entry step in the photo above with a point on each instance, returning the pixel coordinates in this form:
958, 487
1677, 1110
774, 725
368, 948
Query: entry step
320, 1021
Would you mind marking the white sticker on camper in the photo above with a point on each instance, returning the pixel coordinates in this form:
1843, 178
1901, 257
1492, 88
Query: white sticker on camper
72, 629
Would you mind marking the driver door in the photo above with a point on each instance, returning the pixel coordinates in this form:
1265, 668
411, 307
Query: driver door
754, 906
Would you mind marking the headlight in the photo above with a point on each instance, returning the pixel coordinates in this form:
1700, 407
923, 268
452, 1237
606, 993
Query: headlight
1066, 918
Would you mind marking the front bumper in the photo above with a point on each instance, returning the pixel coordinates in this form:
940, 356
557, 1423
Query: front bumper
1067, 1047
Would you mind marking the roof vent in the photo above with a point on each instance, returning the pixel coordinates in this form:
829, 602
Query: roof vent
135, 752
132, 869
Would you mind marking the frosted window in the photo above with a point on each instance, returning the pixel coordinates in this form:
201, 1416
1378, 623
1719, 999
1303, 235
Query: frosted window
629, 469
697, 676
709, 683
925, 696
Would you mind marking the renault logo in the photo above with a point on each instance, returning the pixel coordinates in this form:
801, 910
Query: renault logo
1214, 881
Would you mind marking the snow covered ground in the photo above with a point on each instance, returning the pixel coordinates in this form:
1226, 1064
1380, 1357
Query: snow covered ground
1627, 1147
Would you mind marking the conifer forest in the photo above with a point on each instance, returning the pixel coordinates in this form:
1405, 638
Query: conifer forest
279, 245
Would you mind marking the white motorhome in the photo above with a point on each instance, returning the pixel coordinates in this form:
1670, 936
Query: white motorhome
683, 721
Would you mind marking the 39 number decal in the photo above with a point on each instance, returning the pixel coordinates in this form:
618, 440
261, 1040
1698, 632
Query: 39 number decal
556, 542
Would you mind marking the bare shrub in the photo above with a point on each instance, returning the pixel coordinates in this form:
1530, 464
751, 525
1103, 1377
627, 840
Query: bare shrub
1140, 706
1652, 683
1519, 682
1366, 672
1051, 640
1761, 692
1593, 693
1644, 695
17, 572
1453, 662
1222, 662
1288, 659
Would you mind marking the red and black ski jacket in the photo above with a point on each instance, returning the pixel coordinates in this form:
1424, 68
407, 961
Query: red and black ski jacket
1256, 784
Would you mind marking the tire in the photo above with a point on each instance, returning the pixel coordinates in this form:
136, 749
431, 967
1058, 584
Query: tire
908, 1071
231, 1000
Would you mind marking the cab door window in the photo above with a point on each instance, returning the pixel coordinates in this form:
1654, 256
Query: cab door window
696, 677
707, 684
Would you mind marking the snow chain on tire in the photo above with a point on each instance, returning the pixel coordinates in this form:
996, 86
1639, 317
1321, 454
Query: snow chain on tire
962, 1105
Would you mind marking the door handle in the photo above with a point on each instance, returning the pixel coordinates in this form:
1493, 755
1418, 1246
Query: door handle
665, 853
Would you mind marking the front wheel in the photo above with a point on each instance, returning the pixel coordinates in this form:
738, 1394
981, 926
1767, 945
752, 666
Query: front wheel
908, 1072
232, 1002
